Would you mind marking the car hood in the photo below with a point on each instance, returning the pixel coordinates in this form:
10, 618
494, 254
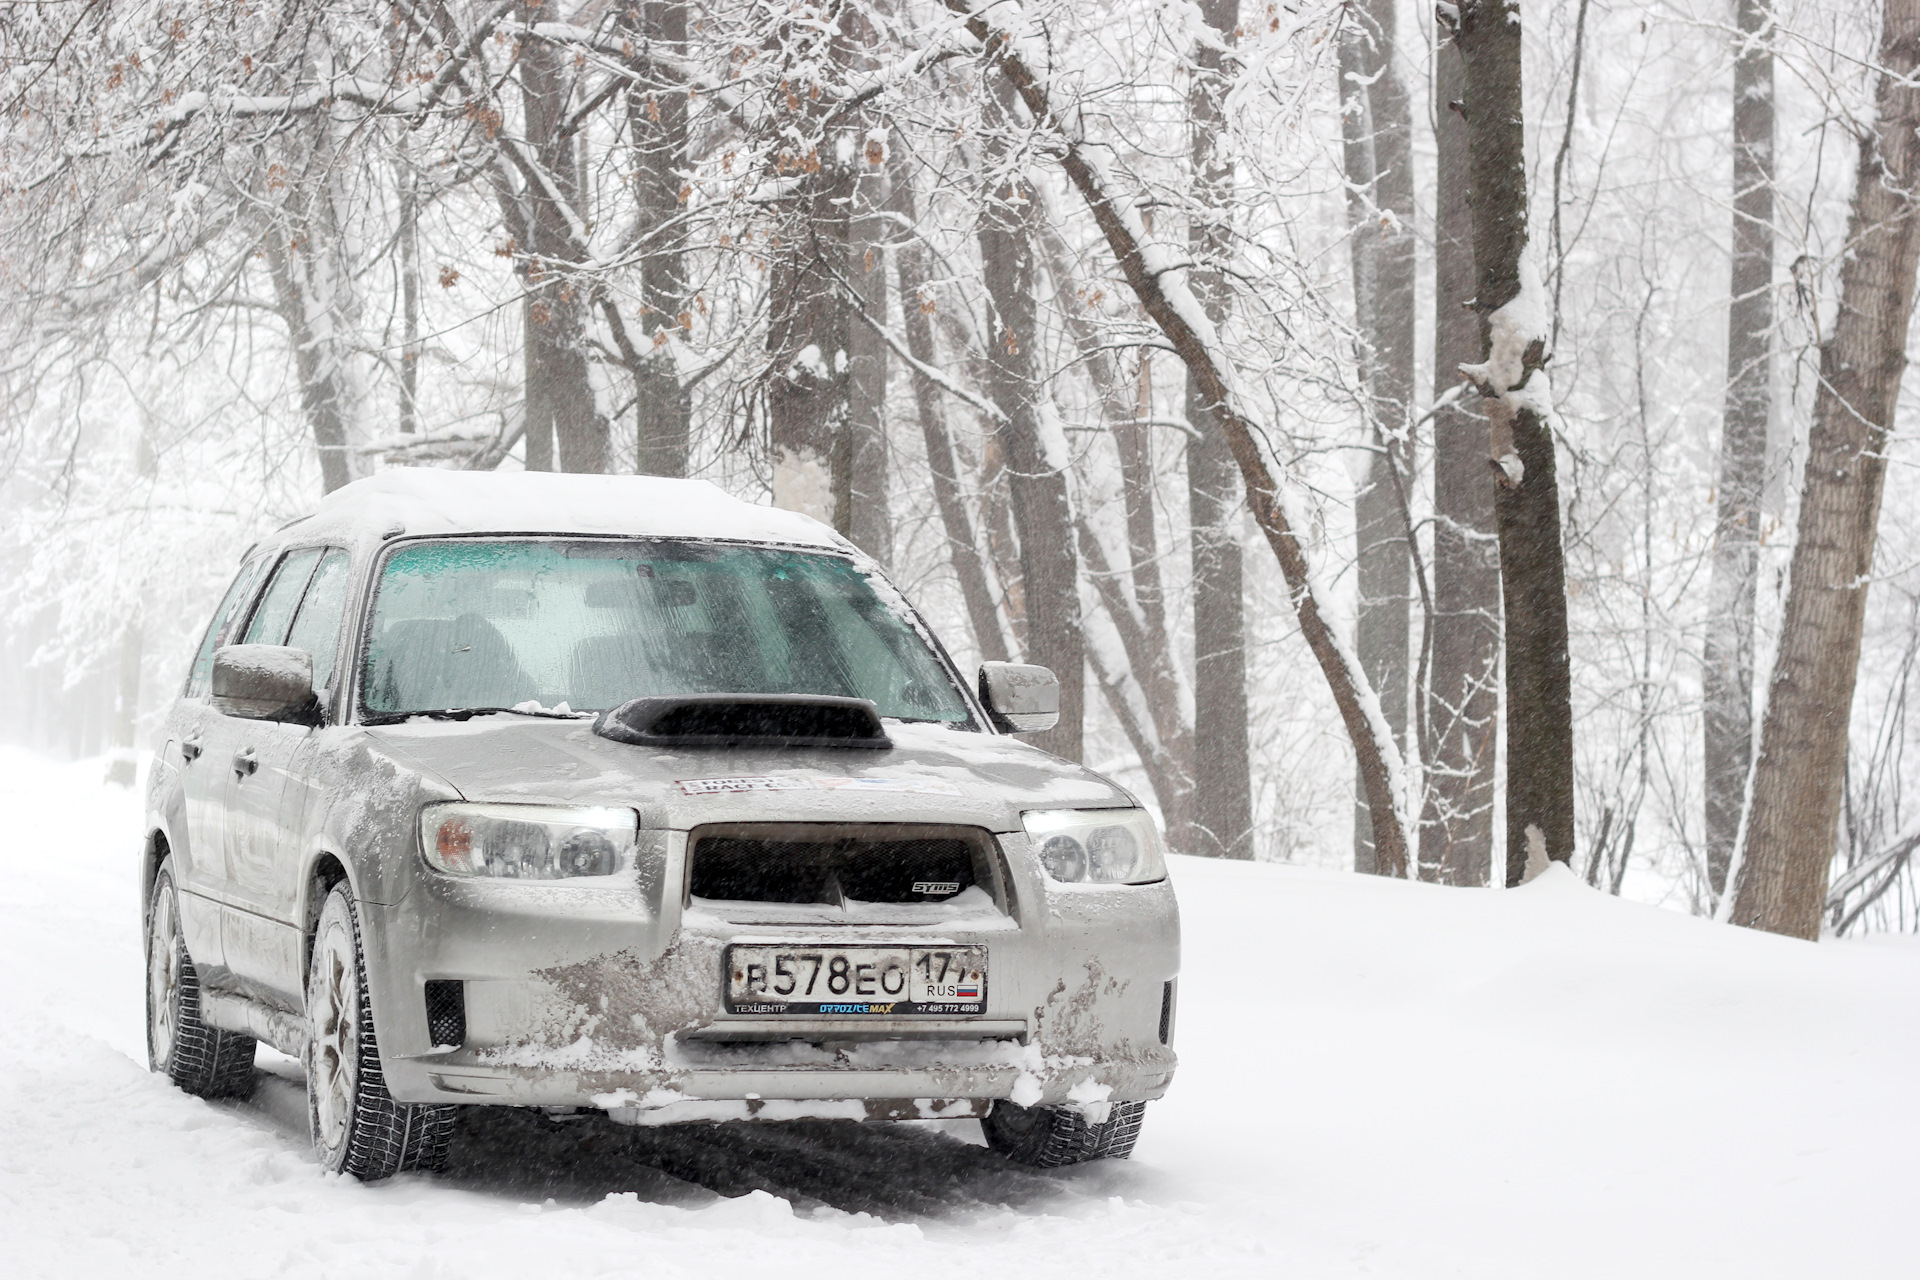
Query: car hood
930, 774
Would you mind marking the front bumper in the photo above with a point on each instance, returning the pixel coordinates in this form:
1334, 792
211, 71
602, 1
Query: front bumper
612, 998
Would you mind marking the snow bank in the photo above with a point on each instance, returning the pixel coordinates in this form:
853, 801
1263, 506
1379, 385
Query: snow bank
1379, 1078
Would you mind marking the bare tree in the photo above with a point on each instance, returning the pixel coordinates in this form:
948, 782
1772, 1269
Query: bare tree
1513, 317
1800, 775
559, 395
1462, 706
1376, 134
1727, 671
1042, 511
1167, 299
657, 131
1223, 791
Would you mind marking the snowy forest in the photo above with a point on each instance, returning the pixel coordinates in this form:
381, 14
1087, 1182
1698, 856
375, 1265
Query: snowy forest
1425, 440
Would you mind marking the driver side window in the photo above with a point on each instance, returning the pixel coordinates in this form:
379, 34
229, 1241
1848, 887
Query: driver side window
316, 627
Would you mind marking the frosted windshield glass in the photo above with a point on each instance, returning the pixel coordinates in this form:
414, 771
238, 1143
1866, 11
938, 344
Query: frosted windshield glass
462, 625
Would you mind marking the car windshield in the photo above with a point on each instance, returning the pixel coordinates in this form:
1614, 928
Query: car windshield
470, 625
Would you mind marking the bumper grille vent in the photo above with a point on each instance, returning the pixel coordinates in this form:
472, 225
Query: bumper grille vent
447, 1012
832, 864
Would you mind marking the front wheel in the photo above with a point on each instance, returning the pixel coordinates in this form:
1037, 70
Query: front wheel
357, 1126
200, 1059
1049, 1137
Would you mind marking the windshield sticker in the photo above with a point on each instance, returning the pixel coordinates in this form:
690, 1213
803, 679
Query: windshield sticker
734, 786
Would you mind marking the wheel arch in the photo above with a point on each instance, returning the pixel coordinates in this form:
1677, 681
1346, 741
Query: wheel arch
326, 870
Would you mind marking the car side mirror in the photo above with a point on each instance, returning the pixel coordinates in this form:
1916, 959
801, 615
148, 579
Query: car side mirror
263, 682
1020, 697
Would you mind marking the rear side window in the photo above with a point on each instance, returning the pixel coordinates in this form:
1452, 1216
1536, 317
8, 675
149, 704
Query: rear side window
316, 627
223, 620
274, 614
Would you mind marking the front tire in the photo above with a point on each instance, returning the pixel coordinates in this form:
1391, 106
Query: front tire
205, 1061
1049, 1137
357, 1127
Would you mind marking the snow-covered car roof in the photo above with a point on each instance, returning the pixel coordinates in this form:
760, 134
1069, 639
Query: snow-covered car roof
421, 501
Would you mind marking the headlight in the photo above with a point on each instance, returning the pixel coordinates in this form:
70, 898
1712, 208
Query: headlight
527, 841
1097, 846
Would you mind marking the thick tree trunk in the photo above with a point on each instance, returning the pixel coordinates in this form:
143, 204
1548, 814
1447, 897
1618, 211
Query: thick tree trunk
657, 124
1512, 311
1376, 134
1049, 566
916, 298
557, 305
1462, 694
1222, 783
1797, 783
1727, 673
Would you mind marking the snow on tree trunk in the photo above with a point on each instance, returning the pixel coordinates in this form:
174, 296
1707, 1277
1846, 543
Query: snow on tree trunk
657, 127
556, 310
1162, 290
1514, 314
1376, 130
1222, 783
1462, 717
1781, 882
1727, 669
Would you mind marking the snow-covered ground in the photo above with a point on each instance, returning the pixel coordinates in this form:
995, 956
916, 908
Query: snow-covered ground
1378, 1079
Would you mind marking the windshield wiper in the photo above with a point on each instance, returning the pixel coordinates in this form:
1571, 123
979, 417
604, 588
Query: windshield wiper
468, 713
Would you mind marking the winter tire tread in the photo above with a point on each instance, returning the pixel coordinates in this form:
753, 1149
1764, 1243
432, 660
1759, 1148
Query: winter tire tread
384, 1137
1053, 1137
205, 1061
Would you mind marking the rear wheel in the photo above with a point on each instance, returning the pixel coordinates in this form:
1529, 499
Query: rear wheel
1048, 1137
357, 1126
200, 1059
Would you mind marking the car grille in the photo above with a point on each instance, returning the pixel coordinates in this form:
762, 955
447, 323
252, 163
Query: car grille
833, 863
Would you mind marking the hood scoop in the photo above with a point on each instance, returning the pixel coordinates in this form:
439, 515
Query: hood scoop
745, 720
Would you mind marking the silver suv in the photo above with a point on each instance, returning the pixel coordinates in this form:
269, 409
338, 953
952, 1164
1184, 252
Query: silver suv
594, 792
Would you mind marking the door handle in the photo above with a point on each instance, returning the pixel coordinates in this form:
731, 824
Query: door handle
190, 748
244, 764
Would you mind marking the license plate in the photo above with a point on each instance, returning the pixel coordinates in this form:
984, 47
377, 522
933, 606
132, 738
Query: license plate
856, 981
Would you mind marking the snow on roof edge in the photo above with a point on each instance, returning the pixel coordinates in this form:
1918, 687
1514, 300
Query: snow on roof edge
426, 500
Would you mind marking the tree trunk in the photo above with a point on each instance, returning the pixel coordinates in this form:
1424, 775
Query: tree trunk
1463, 700
1727, 672
1797, 783
657, 124
807, 391
557, 305
1222, 785
1513, 319
963, 550
1376, 130
1049, 567
409, 237
298, 263
869, 521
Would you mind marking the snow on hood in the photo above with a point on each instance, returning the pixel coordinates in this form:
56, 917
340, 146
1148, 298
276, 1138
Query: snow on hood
931, 774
